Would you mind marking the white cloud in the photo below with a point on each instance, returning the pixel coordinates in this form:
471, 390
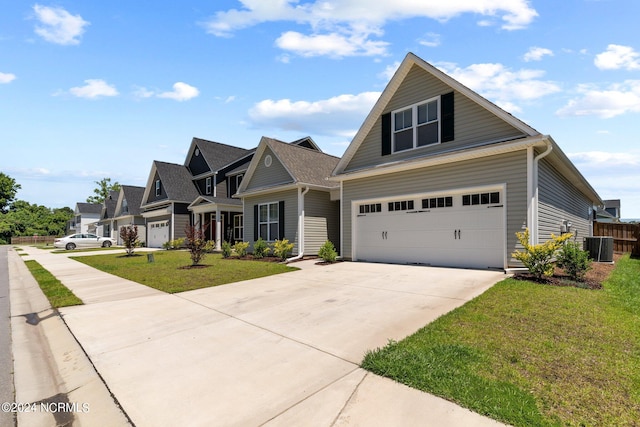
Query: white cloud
337, 116
333, 45
341, 28
604, 159
388, 72
617, 57
143, 92
59, 26
7, 77
181, 92
501, 85
537, 53
430, 40
94, 88
617, 99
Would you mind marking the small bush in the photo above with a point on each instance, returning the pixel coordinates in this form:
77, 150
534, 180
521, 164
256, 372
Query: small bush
282, 249
174, 244
260, 248
241, 248
539, 259
197, 245
129, 236
226, 249
328, 252
574, 260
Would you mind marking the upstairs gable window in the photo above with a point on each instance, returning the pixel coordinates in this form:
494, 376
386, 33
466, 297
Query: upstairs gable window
207, 186
158, 192
416, 126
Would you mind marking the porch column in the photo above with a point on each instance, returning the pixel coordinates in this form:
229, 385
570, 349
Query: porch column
218, 230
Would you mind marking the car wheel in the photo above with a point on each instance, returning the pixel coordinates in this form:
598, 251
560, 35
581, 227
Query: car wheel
70, 246
106, 244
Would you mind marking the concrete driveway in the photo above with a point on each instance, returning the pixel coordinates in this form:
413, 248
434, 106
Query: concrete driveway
281, 350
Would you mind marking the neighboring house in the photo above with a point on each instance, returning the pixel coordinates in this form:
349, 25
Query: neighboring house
86, 215
217, 170
105, 225
127, 212
286, 194
439, 175
167, 196
610, 212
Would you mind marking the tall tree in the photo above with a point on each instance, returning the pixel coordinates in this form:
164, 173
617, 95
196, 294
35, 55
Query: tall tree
8, 190
102, 191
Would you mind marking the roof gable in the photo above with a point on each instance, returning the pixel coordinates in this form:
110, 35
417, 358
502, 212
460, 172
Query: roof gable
133, 196
214, 155
441, 83
176, 183
302, 166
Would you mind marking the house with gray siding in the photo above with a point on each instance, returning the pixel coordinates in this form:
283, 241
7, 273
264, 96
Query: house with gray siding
439, 175
165, 202
105, 225
85, 217
127, 212
217, 170
286, 194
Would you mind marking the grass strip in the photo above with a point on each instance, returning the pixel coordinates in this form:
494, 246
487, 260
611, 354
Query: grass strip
57, 294
170, 271
532, 355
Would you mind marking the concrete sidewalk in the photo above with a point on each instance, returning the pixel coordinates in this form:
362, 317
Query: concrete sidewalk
280, 350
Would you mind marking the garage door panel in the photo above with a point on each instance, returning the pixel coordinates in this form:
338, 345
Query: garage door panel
456, 235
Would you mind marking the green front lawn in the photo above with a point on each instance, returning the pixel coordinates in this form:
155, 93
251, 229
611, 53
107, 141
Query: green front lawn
168, 272
57, 294
532, 355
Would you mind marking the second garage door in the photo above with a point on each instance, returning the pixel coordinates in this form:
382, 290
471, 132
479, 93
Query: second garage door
462, 229
158, 234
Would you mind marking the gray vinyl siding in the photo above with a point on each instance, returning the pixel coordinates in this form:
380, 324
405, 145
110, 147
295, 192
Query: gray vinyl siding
290, 198
508, 168
321, 221
268, 176
559, 200
473, 123
181, 222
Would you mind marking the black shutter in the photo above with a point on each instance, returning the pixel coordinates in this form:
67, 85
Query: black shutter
386, 134
446, 108
280, 220
255, 223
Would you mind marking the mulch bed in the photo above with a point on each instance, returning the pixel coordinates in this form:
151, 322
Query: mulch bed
593, 280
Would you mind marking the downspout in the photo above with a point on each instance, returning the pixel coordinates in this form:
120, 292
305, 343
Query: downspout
300, 225
534, 232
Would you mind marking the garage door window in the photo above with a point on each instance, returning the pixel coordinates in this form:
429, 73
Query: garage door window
481, 199
371, 208
437, 202
404, 205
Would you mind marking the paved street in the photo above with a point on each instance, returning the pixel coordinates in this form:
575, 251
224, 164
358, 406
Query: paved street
6, 359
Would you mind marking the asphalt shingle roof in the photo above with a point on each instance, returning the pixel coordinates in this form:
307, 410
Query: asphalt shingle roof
306, 165
89, 208
218, 155
133, 195
177, 181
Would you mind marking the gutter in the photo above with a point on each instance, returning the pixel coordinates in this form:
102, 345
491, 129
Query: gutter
533, 235
300, 224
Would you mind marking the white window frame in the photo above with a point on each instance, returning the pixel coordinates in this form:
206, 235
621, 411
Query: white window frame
415, 125
268, 237
207, 185
239, 180
158, 192
238, 227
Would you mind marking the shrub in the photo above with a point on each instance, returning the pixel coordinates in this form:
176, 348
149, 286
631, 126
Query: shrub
129, 236
282, 249
174, 244
574, 260
196, 243
328, 252
260, 248
241, 248
226, 249
539, 259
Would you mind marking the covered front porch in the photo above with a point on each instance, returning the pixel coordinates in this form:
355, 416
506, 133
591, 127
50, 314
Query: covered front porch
220, 218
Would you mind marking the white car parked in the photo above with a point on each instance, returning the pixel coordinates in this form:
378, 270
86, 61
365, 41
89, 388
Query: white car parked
84, 240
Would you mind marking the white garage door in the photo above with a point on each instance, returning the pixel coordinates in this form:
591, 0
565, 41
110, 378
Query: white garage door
464, 229
158, 234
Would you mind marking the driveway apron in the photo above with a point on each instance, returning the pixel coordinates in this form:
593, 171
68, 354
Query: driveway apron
280, 350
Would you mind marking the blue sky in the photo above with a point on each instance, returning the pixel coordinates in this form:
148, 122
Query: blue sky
101, 89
